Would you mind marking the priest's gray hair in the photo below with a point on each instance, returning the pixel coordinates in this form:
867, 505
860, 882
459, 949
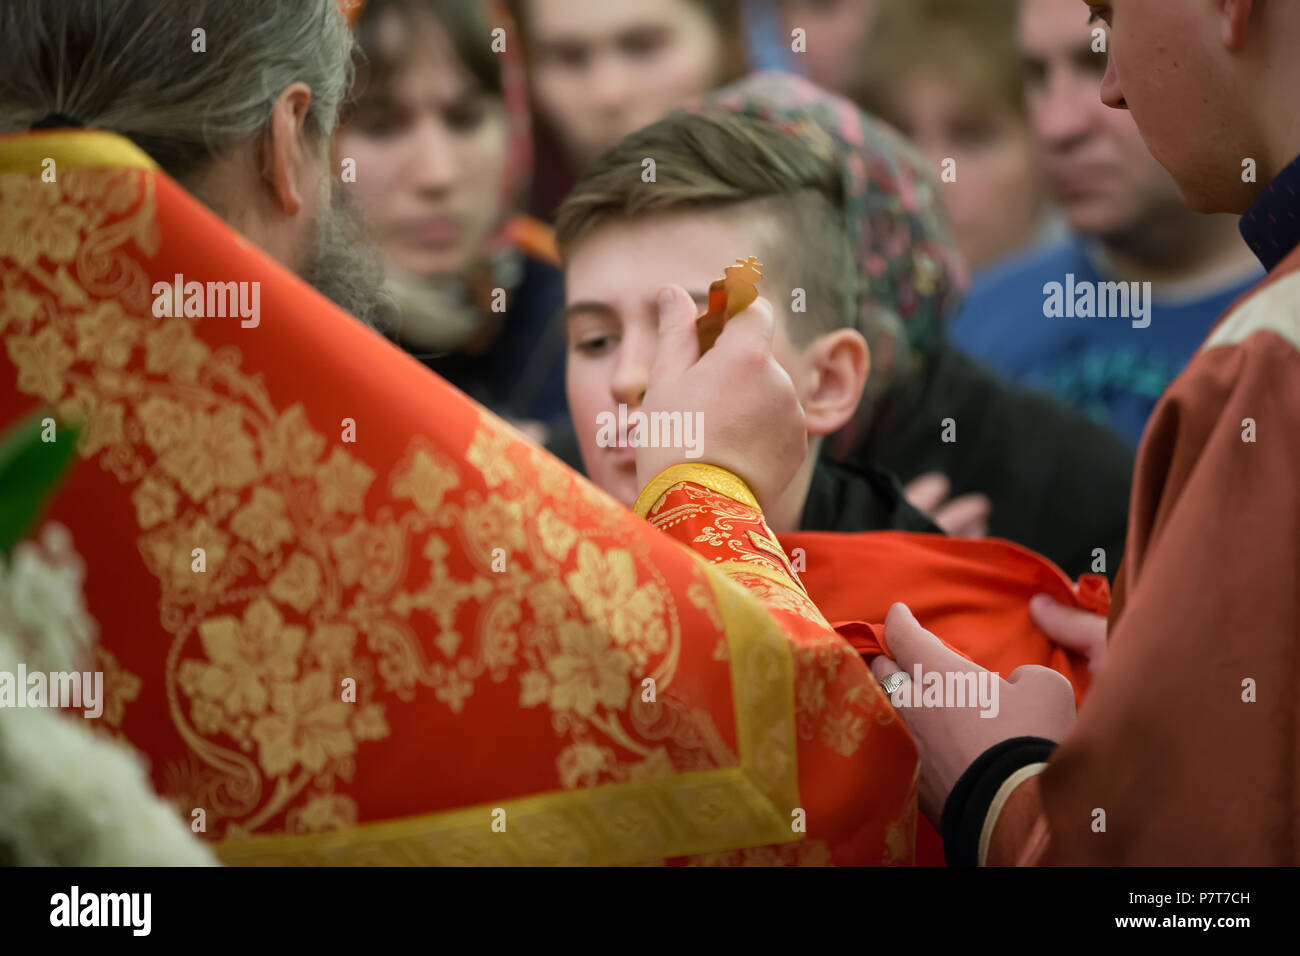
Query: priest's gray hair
133, 67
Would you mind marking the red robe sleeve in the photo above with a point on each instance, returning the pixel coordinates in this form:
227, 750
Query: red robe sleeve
843, 718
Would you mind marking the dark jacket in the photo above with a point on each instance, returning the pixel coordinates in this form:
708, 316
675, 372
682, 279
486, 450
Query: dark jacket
521, 374
859, 498
1058, 482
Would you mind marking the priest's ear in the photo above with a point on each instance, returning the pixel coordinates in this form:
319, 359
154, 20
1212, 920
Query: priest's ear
837, 364
291, 164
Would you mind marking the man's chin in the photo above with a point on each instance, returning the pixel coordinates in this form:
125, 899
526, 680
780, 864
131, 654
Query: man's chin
1096, 217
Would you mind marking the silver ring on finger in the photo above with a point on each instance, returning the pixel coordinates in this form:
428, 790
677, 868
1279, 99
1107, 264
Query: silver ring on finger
894, 681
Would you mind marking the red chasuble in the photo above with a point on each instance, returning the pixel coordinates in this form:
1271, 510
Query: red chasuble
348, 616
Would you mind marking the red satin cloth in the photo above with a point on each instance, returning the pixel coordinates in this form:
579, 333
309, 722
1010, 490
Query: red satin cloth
973, 594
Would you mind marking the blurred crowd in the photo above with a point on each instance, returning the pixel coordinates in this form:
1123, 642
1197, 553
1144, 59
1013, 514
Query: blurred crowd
470, 143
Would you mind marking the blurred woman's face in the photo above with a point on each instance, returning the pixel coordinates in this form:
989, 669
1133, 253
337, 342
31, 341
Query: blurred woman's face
430, 154
995, 200
600, 71
835, 32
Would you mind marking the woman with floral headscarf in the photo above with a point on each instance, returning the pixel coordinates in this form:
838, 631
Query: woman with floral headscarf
436, 150
1053, 480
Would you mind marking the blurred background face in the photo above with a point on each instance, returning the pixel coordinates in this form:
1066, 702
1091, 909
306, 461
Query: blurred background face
1098, 168
995, 202
600, 71
946, 74
835, 31
430, 150
612, 281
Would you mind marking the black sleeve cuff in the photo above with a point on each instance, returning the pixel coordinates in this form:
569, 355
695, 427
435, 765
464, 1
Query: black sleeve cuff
968, 804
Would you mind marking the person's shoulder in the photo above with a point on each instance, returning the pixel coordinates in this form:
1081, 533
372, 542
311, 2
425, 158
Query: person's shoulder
1029, 269
1001, 295
1268, 314
1245, 376
1251, 357
1224, 429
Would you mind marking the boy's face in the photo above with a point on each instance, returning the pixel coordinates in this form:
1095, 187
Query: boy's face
613, 277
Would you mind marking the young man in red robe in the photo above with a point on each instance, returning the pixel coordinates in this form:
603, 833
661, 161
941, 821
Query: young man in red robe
1185, 752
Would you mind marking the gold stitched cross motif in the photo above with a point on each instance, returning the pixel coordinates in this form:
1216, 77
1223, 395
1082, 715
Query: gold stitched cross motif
728, 297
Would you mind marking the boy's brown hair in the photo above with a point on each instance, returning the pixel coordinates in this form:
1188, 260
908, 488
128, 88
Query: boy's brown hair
719, 163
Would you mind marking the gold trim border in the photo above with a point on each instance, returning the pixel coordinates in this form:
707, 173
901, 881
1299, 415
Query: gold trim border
713, 477
736, 566
70, 149
711, 811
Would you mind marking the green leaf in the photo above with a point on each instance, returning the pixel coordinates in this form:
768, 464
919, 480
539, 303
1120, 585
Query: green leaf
30, 469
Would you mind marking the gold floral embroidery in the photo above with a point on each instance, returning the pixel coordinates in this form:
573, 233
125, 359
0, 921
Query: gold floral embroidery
711, 535
155, 502
43, 360
308, 724
263, 634
487, 453
120, 687
588, 670
299, 583
104, 429
168, 553
103, 334
774, 594
40, 225
291, 445
368, 554
343, 482
245, 657
263, 522
326, 811
425, 477
496, 523
172, 349
604, 585
558, 537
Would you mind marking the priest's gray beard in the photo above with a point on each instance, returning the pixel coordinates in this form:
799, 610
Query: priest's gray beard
343, 265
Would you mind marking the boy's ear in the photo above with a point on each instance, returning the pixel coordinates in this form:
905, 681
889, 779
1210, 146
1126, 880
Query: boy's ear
839, 362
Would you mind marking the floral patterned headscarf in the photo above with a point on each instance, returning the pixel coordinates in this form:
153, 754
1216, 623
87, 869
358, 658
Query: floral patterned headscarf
911, 275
